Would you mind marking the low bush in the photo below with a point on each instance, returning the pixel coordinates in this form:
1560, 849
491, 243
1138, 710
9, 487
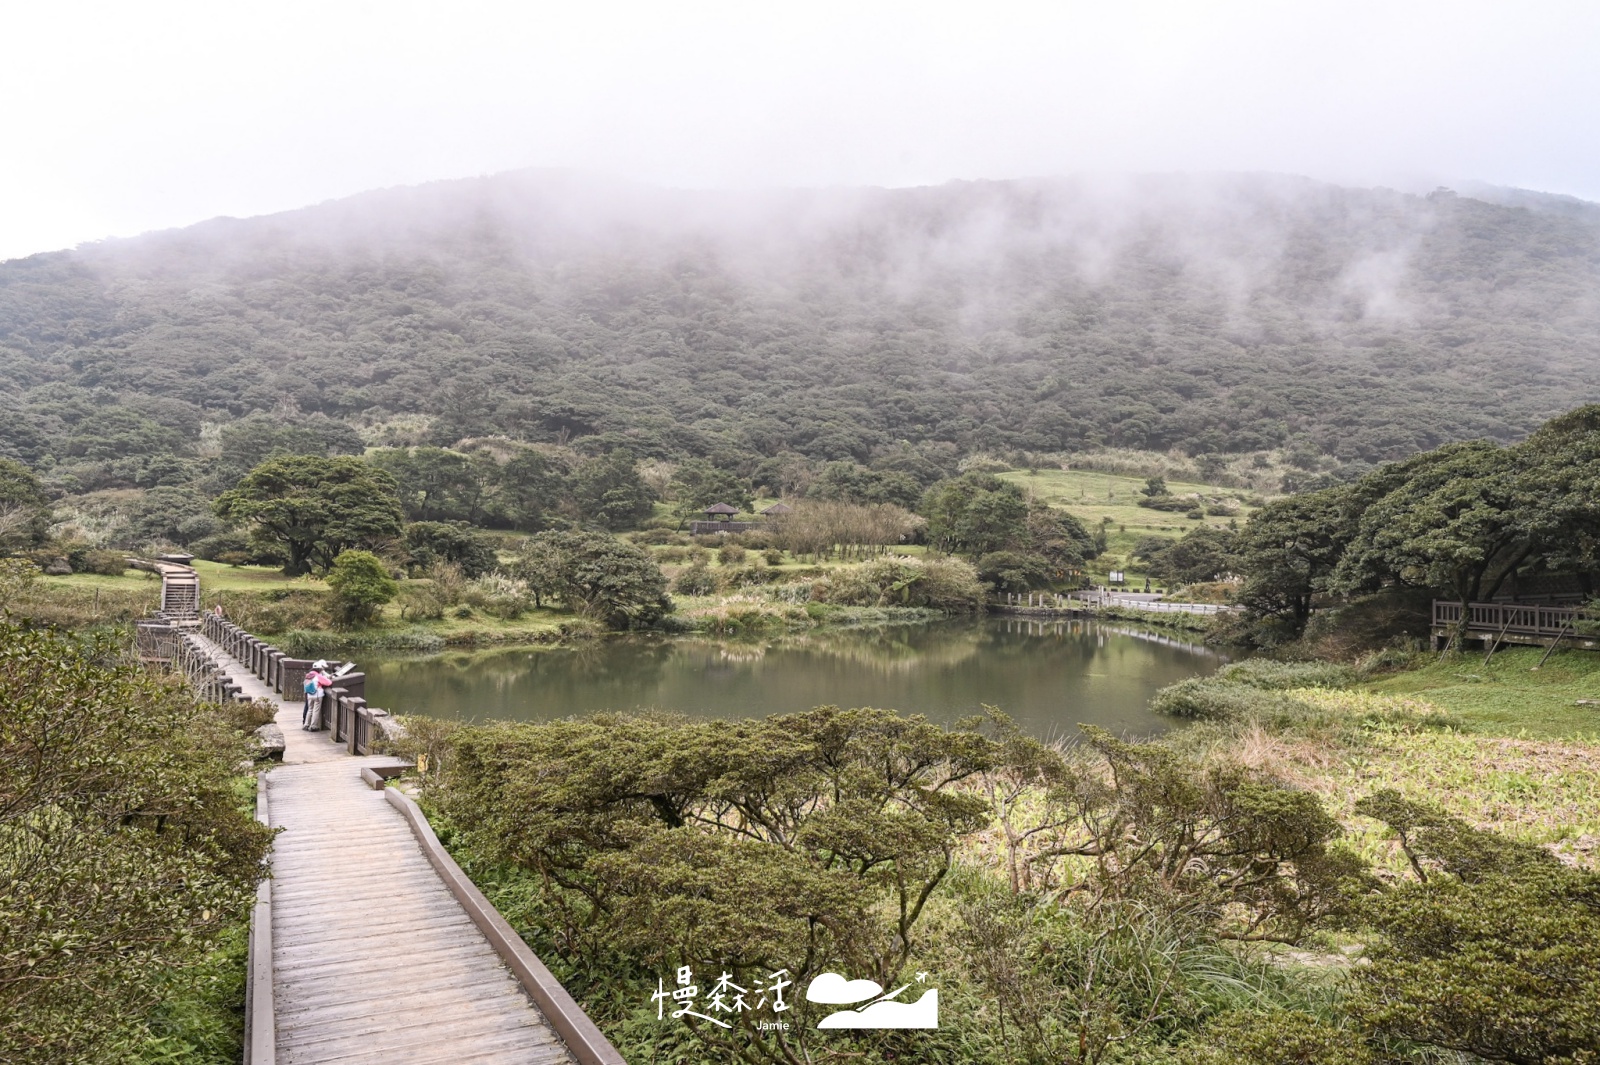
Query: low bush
125, 856
419, 601
697, 580
1214, 699
499, 595
1269, 675
659, 536
271, 613
942, 583
361, 585
105, 563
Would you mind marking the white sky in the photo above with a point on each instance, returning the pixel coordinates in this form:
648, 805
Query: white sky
116, 118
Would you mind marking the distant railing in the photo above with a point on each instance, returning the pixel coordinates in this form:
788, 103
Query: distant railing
1088, 601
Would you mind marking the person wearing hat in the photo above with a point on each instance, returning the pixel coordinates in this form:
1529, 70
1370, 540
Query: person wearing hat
317, 682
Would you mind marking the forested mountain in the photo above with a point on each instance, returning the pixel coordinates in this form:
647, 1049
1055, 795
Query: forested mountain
1219, 314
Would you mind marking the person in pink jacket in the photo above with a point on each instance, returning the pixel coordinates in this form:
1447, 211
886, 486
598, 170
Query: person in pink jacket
316, 684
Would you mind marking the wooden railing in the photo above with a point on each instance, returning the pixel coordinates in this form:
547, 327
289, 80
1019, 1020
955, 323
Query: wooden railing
1513, 619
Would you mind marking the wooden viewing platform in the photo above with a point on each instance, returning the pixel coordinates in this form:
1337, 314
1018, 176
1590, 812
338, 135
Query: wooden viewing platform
1496, 624
368, 943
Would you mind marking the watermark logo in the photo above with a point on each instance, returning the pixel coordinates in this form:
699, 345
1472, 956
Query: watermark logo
725, 1000
726, 997
883, 1011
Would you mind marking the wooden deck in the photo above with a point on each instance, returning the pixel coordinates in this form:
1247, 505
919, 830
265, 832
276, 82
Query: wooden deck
1498, 624
373, 959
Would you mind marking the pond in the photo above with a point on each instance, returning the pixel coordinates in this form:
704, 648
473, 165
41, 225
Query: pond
1049, 676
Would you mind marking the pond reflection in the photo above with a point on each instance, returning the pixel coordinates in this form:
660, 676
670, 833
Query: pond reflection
1049, 676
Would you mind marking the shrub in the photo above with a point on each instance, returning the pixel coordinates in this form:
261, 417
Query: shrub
106, 563
1491, 952
1269, 675
751, 576
499, 595
449, 583
1214, 699
730, 554
659, 536
101, 823
948, 584
361, 584
773, 556
420, 602
696, 580
1276, 1037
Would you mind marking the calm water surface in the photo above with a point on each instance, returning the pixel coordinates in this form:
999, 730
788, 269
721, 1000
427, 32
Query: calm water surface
1049, 676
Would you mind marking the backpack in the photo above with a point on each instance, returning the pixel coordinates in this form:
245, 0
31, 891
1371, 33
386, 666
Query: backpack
311, 687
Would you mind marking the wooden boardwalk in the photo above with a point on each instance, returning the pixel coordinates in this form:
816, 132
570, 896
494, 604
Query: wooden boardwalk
373, 959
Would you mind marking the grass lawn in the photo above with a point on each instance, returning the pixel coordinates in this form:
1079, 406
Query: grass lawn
1092, 497
1508, 697
214, 577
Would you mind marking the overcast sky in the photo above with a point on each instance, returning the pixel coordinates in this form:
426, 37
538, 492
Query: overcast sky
124, 117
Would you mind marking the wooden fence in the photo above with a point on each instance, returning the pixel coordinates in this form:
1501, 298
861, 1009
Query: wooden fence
1511, 619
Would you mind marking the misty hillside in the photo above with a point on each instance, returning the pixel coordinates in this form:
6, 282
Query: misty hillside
1217, 315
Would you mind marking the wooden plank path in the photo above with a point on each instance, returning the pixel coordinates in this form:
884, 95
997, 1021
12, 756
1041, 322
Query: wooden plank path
373, 959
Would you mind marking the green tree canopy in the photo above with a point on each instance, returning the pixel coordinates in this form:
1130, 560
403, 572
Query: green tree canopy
1205, 554
530, 487
428, 542
697, 484
976, 513
598, 576
24, 509
1288, 549
314, 508
175, 515
851, 482
1457, 523
436, 484
609, 492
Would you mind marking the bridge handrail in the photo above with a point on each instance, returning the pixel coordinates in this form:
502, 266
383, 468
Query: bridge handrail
583, 1038
260, 1007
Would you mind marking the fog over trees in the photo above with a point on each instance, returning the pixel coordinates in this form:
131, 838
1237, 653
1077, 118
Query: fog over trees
1217, 314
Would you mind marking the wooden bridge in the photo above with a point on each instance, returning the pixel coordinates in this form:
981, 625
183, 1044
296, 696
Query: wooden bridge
368, 943
1495, 624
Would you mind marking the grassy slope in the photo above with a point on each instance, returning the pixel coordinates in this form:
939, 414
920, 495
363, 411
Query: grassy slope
1508, 697
1519, 757
1092, 497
